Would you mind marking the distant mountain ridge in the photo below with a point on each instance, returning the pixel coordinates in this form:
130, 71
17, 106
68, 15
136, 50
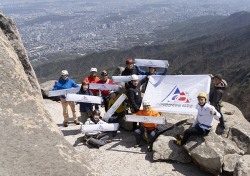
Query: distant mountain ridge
226, 52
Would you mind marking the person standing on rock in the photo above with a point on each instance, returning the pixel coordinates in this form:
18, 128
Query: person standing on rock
149, 129
95, 139
93, 78
85, 108
216, 95
105, 93
203, 122
66, 83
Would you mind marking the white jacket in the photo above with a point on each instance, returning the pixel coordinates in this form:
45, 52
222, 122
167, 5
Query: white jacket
204, 117
90, 122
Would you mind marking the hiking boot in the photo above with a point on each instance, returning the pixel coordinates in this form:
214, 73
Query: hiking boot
149, 148
221, 125
179, 136
108, 141
137, 145
76, 122
178, 142
65, 124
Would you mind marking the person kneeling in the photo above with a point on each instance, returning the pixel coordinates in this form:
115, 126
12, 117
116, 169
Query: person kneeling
96, 139
149, 129
203, 122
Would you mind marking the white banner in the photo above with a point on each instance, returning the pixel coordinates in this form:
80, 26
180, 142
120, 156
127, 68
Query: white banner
145, 119
113, 87
114, 107
151, 63
176, 93
55, 93
126, 78
100, 127
84, 98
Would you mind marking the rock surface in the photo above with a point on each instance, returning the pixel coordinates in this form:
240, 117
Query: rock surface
31, 143
242, 167
230, 161
165, 149
46, 87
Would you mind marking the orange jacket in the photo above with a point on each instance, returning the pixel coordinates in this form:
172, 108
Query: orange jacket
91, 79
150, 112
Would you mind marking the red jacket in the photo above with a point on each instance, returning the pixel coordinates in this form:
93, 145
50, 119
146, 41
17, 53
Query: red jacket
105, 92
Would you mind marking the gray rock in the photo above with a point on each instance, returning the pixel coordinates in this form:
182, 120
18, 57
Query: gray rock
242, 167
230, 161
165, 149
31, 143
240, 134
46, 87
126, 125
118, 71
207, 152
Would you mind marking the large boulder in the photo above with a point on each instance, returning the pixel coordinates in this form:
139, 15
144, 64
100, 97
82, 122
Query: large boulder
207, 152
242, 167
31, 143
165, 149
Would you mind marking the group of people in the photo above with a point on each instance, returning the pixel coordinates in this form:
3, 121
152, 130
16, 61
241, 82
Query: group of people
90, 113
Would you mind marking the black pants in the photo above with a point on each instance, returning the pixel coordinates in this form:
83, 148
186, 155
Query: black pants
106, 102
197, 130
218, 108
98, 140
138, 133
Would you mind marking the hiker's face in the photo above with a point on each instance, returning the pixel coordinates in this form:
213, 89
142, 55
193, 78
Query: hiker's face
146, 108
104, 77
130, 66
216, 81
201, 100
93, 73
96, 117
151, 70
135, 82
85, 87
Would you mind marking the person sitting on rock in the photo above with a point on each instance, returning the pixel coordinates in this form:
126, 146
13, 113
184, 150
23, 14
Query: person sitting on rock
96, 139
65, 83
149, 129
85, 108
203, 122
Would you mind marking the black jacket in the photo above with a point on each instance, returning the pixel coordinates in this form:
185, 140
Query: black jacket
216, 94
128, 72
134, 96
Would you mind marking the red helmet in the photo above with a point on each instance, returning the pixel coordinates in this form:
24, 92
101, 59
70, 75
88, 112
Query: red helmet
129, 61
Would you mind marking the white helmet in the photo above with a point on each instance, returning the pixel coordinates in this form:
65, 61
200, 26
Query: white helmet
64, 73
134, 77
146, 103
93, 70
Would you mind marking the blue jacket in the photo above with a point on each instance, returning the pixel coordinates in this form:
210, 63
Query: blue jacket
64, 84
143, 72
85, 107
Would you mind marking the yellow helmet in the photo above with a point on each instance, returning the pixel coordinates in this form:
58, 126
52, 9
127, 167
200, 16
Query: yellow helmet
202, 94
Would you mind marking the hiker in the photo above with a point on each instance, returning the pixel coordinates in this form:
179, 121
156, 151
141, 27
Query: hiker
151, 71
119, 113
85, 108
65, 83
129, 69
203, 122
147, 129
105, 93
216, 95
93, 78
96, 139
